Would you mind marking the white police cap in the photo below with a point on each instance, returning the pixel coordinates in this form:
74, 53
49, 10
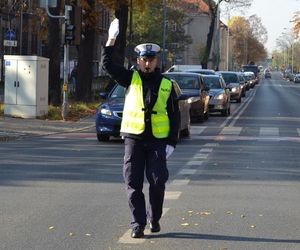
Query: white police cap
147, 49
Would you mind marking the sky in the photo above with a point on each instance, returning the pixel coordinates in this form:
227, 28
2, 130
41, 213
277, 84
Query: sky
275, 16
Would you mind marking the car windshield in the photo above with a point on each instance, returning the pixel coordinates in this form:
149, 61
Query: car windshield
248, 77
186, 81
118, 92
212, 82
230, 78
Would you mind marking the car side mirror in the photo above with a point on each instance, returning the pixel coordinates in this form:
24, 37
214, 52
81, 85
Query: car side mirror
103, 95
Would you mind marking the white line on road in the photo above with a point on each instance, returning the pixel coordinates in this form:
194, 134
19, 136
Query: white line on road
269, 131
172, 195
126, 238
187, 171
231, 131
180, 182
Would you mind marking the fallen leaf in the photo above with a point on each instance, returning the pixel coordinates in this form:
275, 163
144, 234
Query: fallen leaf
51, 227
260, 215
88, 235
71, 234
243, 216
205, 213
196, 224
253, 226
190, 211
185, 224
229, 212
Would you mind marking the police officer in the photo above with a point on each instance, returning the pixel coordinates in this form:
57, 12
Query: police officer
150, 127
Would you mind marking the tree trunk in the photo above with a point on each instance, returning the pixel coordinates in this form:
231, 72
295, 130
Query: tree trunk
53, 53
85, 67
209, 40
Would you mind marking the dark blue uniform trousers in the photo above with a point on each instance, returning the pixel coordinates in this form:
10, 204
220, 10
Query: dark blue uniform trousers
141, 157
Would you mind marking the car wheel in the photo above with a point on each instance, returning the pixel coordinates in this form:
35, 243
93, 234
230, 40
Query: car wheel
102, 137
226, 112
201, 117
206, 115
186, 132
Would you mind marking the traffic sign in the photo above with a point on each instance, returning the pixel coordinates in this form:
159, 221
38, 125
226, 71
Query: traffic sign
10, 43
10, 35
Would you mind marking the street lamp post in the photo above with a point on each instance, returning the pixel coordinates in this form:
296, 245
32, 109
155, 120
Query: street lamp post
163, 59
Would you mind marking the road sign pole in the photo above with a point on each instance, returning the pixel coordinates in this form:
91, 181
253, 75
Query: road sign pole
64, 112
66, 17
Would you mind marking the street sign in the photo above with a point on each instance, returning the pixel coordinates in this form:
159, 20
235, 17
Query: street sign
10, 35
10, 43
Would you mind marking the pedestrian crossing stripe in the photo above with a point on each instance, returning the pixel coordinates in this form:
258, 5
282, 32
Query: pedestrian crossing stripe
126, 238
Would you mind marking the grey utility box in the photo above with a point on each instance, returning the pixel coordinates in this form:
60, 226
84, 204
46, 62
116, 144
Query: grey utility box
26, 86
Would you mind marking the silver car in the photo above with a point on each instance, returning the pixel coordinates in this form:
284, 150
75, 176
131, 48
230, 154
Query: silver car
219, 95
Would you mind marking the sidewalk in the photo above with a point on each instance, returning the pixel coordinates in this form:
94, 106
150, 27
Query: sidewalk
14, 128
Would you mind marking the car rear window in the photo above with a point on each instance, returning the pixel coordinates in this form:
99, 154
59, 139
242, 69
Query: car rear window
212, 82
230, 78
185, 81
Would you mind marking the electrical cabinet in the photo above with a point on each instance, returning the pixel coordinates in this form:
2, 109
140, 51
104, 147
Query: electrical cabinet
26, 86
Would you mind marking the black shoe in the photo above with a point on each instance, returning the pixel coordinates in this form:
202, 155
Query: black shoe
154, 227
137, 232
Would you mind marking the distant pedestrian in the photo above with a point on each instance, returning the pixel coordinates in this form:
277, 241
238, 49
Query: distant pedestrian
150, 126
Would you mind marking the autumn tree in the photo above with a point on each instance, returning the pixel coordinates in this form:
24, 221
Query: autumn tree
247, 46
148, 27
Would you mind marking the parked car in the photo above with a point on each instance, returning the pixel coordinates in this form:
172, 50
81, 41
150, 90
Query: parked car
250, 77
204, 71
219, 94
267, 73
297, 78
183, 67
232, 81
243, 83
109, 113
193, 87
191, 68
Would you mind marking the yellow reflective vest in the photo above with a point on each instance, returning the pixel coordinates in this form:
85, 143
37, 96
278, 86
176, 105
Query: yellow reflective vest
133, 121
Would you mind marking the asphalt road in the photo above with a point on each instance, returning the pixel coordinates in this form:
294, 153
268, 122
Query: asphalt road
234, 184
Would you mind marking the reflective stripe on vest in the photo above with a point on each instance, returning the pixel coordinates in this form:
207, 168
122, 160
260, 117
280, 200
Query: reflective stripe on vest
133, 120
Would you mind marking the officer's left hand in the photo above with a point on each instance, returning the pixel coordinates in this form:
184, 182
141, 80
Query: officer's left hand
169, 151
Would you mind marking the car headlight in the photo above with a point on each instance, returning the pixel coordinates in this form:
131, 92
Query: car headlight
234, 89
105, 111
219, 97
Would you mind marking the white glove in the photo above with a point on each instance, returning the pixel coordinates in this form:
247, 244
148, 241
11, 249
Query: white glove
113, 31
169, 151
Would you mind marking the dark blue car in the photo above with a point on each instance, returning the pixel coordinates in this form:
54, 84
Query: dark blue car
109, 113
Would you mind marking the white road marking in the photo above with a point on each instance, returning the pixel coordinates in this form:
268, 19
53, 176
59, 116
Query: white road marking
172, 195
211, 145
194, 163
200, 156
206, 150
187, 171
126, 238
180, 182
298, 130
197, 130
231, 131
269, 131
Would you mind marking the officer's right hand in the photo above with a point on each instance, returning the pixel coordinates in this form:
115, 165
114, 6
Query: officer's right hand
113, 30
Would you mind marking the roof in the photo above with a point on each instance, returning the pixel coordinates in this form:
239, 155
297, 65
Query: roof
194, 6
